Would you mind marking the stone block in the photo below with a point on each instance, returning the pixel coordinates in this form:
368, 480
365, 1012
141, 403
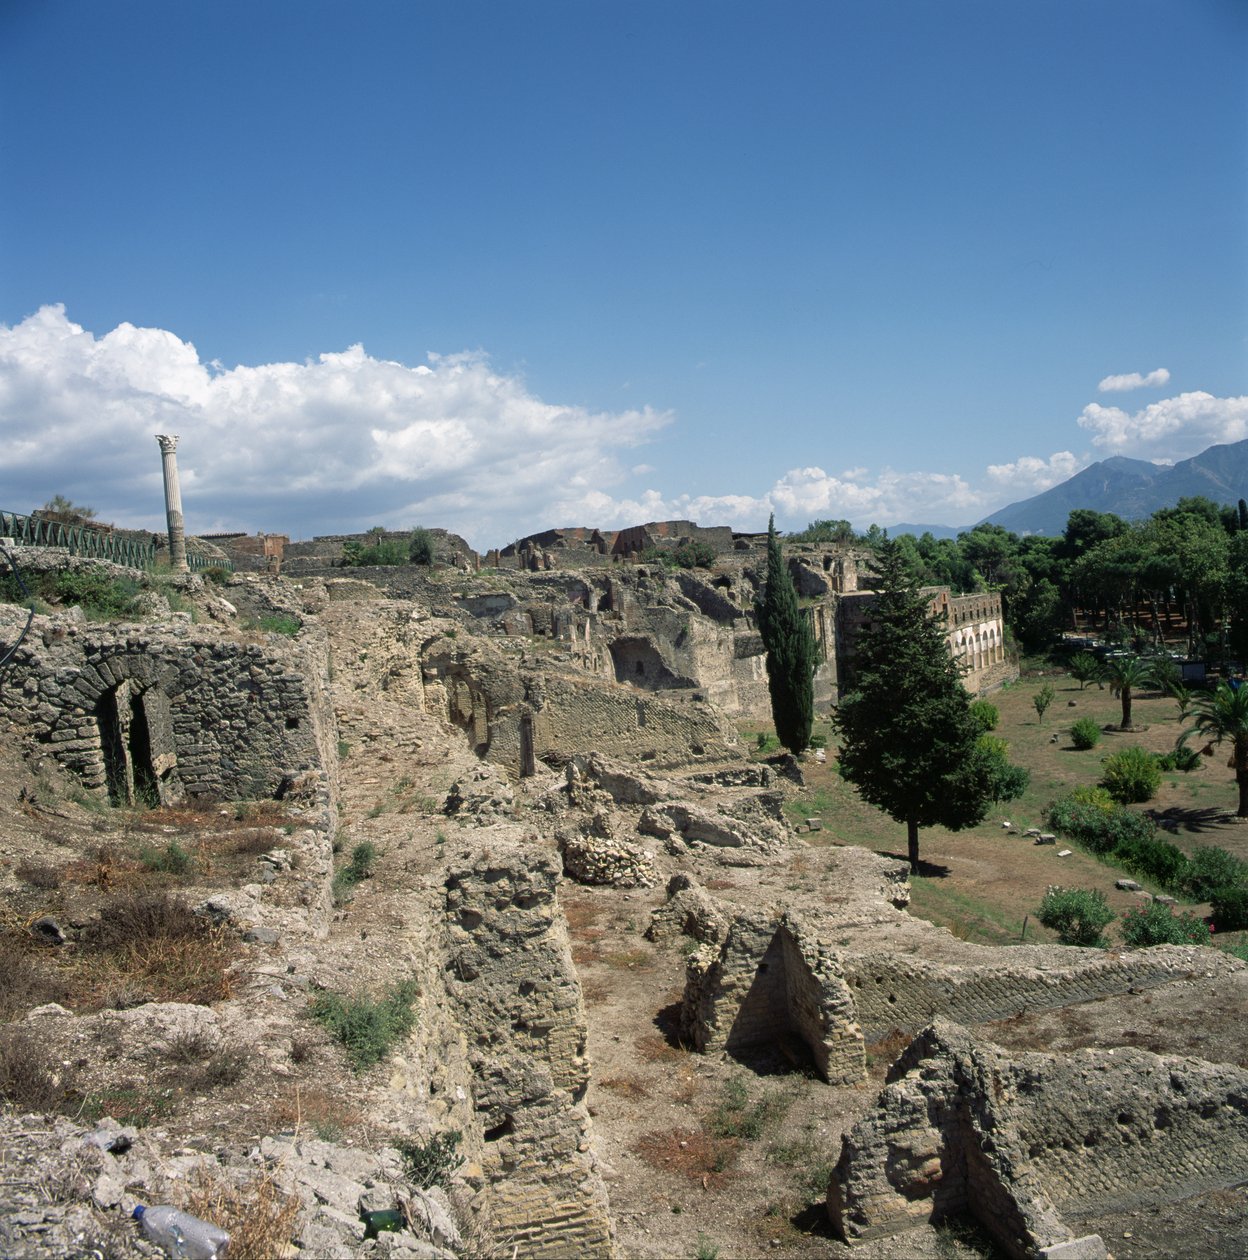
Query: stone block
1089, 1247
1127, 885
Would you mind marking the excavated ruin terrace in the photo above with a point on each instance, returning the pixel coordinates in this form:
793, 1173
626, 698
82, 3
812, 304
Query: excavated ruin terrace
662, 1022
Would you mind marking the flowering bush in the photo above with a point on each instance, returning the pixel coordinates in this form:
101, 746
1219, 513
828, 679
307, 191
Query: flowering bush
1155, 925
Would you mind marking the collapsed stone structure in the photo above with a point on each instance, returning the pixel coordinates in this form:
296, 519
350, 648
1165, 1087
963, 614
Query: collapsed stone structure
1022, 1142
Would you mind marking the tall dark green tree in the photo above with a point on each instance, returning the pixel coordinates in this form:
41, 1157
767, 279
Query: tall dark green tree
908, 741
790, 643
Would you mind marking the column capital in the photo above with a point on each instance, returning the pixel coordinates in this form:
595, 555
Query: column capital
168, 443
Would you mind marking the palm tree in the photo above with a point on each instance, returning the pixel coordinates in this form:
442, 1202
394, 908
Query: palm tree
1223, 714
1124, 674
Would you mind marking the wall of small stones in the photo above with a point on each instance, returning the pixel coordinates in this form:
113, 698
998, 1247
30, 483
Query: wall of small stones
248, 719
509, 973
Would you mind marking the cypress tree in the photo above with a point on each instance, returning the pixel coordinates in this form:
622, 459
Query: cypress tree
909, 742
790, 643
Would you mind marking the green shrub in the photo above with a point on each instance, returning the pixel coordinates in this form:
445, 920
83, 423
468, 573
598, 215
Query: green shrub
367, 1029
1077, 915
1155, 925
281, 623
1181, 758
1229, 907
1153, 858
431, 1163
99, 595
1210, 868
173, 859
1091, 817
985, 715
1131, 775
216, 575
420, 546
1085, 733
360, 868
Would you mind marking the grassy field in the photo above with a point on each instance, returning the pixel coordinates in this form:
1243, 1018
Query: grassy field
982, 883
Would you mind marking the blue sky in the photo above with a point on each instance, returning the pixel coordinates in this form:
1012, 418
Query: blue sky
500, 266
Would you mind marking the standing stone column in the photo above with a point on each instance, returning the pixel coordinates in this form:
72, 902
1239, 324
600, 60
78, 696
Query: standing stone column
173, 503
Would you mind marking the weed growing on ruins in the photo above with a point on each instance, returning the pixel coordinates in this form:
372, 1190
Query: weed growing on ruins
279, 623
432, 1162
368, 1030
173, 859
258, 1215
344, 750
736, 1117
707, 1250
360, 868
959, 1236
1079, 916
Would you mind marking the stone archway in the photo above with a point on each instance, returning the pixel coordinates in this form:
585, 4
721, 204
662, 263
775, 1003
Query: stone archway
136, 742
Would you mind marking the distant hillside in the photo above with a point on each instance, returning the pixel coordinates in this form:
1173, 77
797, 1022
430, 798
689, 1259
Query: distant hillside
1131, 488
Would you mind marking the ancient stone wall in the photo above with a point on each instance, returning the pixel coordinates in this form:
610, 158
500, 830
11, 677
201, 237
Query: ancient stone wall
195, 713
901, 991
509, 971
772, 981
1023, 1142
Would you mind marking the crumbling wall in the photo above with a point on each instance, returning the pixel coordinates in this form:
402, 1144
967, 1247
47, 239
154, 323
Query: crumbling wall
224, 718
509, 972
769, 981
903, 991
1021, 1143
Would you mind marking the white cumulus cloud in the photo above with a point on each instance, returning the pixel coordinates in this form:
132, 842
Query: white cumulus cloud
340, 442
1173, 428
1030, 475
1133, 380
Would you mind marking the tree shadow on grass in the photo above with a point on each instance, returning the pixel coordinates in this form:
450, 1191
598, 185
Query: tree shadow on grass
1176, 819
929, 870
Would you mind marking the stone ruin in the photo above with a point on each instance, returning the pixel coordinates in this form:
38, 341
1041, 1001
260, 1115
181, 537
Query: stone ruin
565, 766
1024, 1142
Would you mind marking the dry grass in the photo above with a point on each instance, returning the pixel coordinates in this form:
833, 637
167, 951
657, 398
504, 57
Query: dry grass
691, 1153
883, 1053
28, 979
38, 874
29, 1081
627, 1086
316, 1110
653, 1048
258, 1214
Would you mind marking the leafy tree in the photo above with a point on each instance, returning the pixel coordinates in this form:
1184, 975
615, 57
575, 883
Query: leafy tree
790, 643
909, 742
1042, 699
420, 546
824, 531
1125, 675
1084, 667
1222, 715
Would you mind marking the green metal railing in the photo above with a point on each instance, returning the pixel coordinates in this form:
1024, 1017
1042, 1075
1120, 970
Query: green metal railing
90, 540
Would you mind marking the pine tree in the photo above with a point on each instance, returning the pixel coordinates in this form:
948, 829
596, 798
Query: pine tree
790, 644
909, 743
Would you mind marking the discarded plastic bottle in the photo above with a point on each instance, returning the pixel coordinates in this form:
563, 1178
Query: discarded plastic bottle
181, 1235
